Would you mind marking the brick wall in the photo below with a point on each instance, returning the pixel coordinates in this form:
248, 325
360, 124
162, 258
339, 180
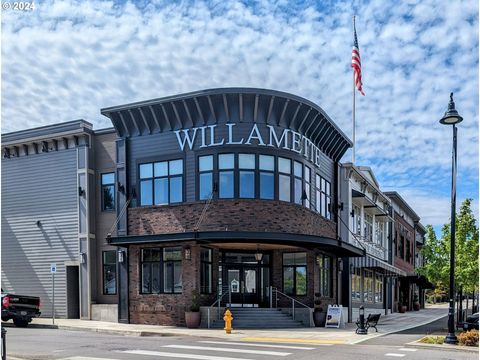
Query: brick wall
399, 258
230, 215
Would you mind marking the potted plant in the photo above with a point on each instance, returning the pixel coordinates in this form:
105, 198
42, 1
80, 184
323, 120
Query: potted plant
401, 305
192, 317
416, 303
319, 314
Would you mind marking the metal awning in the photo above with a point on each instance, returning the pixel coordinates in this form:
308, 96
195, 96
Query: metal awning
362, 198
336, 246
371, 262
421, 281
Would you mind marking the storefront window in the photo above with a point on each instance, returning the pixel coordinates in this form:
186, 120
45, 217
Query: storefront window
325, 275
295, 273
108, 191
267, 167
161, 182
368, 286
284, 187
246, 164
109, 272
161, 270
205, 167
378, 288
356, 285
205, 271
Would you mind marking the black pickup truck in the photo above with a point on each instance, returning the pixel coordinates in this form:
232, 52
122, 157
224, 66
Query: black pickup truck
22, 309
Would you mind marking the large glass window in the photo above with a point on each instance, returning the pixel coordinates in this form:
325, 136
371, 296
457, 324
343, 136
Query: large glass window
368, 286
226, 165
318, 201
295, 273
109, 265
284, 182
161, 270
246, 164
298, 181
172, 270
368, 227
267, 167
380, 233
206, 271
161, 182
325, 275
108, 191
356, 285
205, 167
356, 220
307, 201
378, 288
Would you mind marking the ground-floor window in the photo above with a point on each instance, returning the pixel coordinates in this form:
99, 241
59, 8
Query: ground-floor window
367, 286
295, 273
378, 288
109, 272
161, 270
356, 284
205, 271
325, 275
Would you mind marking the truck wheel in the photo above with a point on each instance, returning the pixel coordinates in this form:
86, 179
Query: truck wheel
20, 322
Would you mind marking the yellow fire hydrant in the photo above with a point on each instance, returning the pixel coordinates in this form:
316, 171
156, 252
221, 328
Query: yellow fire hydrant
228, 321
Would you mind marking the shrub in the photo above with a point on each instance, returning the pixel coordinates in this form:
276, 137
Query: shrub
433, 339
469, 338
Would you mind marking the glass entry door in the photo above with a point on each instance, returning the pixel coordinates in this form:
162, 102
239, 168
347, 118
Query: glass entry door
243, 281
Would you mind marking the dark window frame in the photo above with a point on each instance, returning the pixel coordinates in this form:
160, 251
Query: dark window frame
325, 275
103, 272
161, 272
153, 178
103, 186
203, 270
294, 269
199, 173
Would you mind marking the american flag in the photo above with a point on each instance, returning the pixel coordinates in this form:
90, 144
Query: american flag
356, 63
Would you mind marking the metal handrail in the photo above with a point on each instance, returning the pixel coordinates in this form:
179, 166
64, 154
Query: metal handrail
273, 289
219, 300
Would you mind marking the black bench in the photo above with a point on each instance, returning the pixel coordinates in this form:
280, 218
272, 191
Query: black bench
371, 321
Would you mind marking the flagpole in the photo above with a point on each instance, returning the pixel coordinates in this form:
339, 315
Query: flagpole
353, 108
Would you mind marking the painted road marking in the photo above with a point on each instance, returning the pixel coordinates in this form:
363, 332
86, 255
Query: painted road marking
232, 350
85, 358
299, 341
183, 356
236, 343
407, 349
394, 355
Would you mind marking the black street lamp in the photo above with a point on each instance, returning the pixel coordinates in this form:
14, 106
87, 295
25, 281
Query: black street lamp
452, 117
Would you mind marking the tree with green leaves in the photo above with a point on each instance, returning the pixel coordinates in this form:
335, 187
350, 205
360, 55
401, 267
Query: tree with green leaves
436, 252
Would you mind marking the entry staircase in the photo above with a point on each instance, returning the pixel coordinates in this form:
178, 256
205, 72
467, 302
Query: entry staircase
258, 318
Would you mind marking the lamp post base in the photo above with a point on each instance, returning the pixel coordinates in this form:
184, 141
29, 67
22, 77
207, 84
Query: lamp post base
362, 332
451, 338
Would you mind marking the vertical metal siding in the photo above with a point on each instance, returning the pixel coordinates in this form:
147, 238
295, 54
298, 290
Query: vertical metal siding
39, 187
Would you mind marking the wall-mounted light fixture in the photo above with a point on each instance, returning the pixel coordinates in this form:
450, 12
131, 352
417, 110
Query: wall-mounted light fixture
340, 265
82, 257
81, 192
187, 253
133, 193
120, 187
38, 223
121, 256
258, 255
6, 153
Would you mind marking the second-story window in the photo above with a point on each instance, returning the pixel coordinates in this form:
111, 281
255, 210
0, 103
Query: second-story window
108, 191
205, 168
284, 176
318, 201
368, 227
267, 184
226, 166
356, 221
308, 203
298, 180
380, 233
161, 182
246, 165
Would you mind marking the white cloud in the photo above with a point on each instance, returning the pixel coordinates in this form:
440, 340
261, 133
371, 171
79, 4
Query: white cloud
68, 59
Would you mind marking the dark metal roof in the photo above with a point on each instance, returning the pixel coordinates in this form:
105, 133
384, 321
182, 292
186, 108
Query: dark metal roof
213, 106
336, 246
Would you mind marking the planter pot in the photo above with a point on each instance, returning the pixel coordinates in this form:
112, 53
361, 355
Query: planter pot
319, 318
402, 308
192, 319
416, 306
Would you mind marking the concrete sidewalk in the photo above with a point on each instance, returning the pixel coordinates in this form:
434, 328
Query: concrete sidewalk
388, 324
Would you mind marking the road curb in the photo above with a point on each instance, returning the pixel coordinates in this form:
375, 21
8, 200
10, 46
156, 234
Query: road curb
33, 326
397, 331
418, 344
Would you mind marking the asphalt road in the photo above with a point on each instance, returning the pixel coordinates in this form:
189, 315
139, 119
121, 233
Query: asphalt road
42, 344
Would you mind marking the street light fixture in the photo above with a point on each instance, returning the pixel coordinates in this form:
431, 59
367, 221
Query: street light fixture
452, 117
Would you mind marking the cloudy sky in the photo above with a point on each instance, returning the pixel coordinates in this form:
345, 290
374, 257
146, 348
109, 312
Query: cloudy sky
67, 59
